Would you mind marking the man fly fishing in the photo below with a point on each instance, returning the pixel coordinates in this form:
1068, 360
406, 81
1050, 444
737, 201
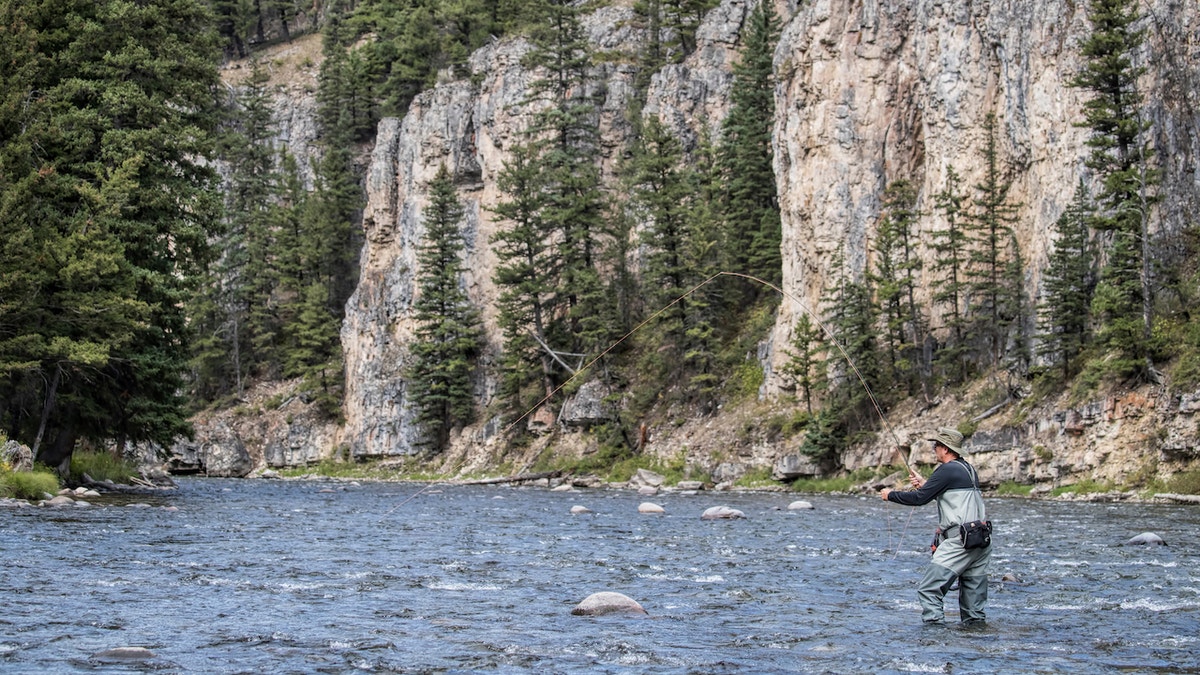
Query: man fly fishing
962, 544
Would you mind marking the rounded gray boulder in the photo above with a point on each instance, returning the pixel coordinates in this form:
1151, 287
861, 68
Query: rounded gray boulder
124, 654
721, 513
607, 602
1146, 539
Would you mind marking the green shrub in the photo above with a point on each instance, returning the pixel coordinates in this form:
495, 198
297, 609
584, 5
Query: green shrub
1187, 483
28, 484
1083, 487
1013, 489
760, 477
101, 466
836, 484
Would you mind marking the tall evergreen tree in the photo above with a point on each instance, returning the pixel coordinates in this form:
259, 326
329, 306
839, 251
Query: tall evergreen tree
895, 280
108, 188
703, 308
952, 255
1069, 280
805, 365
853, 367
557, 303
1121, 156
751, 204
448, 333
246, 272
564, 133
662, 197
991, 221
525, 276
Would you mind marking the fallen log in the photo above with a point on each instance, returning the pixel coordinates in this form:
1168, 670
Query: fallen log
1190, 499
140, 486
519, 478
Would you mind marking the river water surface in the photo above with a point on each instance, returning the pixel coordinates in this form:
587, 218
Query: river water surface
242, 576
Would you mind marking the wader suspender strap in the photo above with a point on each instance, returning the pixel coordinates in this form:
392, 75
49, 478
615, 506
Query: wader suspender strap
941, 536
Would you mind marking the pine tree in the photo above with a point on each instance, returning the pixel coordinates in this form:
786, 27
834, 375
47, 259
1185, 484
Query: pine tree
108, 199
895, 280
1116, 306
681, 19
554, 300
1069, 281
314, 353
564, 134
1121, 156
525, 276
751, 204
805, 365
703, 307
247, 247
854, 371
952, 254
448, 333
661, 198
991, 223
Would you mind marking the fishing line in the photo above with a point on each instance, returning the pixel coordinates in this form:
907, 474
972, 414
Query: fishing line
824, 329
862, 380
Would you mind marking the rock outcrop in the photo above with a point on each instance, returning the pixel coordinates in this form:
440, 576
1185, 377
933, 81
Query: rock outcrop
867, 93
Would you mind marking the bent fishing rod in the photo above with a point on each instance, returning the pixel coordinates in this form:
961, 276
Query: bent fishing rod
832, 339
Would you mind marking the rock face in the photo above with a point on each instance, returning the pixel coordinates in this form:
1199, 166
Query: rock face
866, 93
469, 127
16, 457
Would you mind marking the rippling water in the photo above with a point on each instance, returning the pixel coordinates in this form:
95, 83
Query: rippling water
321, 577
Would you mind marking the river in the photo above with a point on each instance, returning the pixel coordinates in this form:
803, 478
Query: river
254, 576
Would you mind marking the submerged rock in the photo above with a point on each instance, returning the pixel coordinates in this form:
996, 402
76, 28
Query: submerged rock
721, 513
1146, 539
124, 654
799, 505
607, 602
577, 509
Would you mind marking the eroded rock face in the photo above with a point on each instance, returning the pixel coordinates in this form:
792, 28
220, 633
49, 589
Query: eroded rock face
866, 94
471, 127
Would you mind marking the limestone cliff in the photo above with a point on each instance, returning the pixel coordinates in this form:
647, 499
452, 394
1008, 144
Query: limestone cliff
868, 91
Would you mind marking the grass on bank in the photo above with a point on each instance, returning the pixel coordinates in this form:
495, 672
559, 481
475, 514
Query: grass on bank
101, 466
367, 470
843, 483
1183, 483
31, 485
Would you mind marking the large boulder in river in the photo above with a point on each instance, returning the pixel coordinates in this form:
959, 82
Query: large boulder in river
721, 513
607, 602
1146, 539
123, 654
650, 507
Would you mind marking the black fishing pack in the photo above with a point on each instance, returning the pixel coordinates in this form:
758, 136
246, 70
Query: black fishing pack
976, 534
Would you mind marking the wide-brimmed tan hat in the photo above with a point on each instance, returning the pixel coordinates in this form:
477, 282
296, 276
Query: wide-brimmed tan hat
948, 437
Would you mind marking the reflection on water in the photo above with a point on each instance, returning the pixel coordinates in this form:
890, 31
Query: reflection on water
262, 576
